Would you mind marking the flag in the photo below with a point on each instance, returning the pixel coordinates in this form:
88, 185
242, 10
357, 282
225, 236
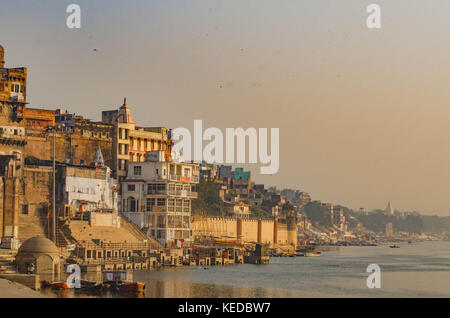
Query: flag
48, 213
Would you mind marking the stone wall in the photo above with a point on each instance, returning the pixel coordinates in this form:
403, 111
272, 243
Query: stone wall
9, 206
227, 228
68, 146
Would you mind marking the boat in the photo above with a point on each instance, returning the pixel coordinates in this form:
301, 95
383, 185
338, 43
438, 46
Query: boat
121, 281
88, 286
60, 285
313, 254
46, 284
299, 254
135, 287
394, 246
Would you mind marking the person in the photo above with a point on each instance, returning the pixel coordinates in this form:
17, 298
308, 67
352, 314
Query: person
30, 268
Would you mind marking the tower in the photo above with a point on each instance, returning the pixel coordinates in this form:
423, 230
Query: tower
389, 208
125, 113
2, 57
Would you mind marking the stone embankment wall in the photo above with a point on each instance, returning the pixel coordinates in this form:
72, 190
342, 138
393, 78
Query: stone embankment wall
244, 230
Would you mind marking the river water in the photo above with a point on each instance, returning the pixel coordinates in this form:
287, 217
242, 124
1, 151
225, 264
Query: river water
414, 270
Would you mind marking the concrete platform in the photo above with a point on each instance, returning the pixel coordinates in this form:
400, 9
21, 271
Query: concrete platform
10, 289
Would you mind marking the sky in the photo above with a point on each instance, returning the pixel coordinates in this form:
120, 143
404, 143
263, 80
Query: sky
363, 113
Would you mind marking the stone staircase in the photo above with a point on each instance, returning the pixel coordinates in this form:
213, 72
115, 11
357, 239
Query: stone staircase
131, 227
63, 235
30, 226
136, 231
7, 261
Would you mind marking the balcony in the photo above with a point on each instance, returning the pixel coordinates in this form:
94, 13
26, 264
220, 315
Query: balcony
178, 193
183, 193
163, 208
179, 178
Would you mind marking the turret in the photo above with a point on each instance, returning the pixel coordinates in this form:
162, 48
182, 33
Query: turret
2, 56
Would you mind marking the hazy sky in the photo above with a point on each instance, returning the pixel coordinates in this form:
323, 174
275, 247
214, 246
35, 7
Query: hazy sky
363, 114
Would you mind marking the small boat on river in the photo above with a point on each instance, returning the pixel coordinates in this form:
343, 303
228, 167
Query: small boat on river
313, 254
121, 281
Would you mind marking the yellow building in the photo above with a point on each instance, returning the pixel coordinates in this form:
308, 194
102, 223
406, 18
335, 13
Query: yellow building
13, 84
132, 142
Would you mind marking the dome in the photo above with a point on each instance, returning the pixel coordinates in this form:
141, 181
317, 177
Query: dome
38, 244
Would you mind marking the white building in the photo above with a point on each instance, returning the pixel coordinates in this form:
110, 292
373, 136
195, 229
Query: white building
88, 189
157, 195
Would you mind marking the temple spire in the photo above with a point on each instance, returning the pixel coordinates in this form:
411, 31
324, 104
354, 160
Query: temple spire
98, 159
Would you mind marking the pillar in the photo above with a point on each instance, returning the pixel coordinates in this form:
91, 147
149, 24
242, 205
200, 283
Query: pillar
275, 231
239, 230
259, 231
292, 231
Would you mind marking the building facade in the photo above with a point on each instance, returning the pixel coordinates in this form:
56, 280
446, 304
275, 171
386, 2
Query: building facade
131, 142
157, 195
86, 189
37, 120
13, 88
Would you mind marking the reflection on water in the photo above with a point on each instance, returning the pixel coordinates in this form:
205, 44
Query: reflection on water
414, 270
174, 289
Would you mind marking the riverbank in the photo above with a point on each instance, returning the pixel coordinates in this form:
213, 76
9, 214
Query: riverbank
10, 289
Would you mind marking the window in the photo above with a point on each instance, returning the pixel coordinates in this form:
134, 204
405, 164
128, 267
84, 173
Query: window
157, 188
131, 187
150, 203
133, 205
137, 170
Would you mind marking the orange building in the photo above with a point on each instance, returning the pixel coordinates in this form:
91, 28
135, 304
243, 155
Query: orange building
36, 120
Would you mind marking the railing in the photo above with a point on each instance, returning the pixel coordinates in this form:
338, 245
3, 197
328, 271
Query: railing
183, 193
179, 193
132, 224
179, 178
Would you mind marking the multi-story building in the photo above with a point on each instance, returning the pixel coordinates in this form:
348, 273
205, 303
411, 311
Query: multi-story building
156, 196
37, 120
13, 87
76, 138
338, 217
242, 182
131, 142
208, 171
86, 188
240, 210
389, 230
329, 211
